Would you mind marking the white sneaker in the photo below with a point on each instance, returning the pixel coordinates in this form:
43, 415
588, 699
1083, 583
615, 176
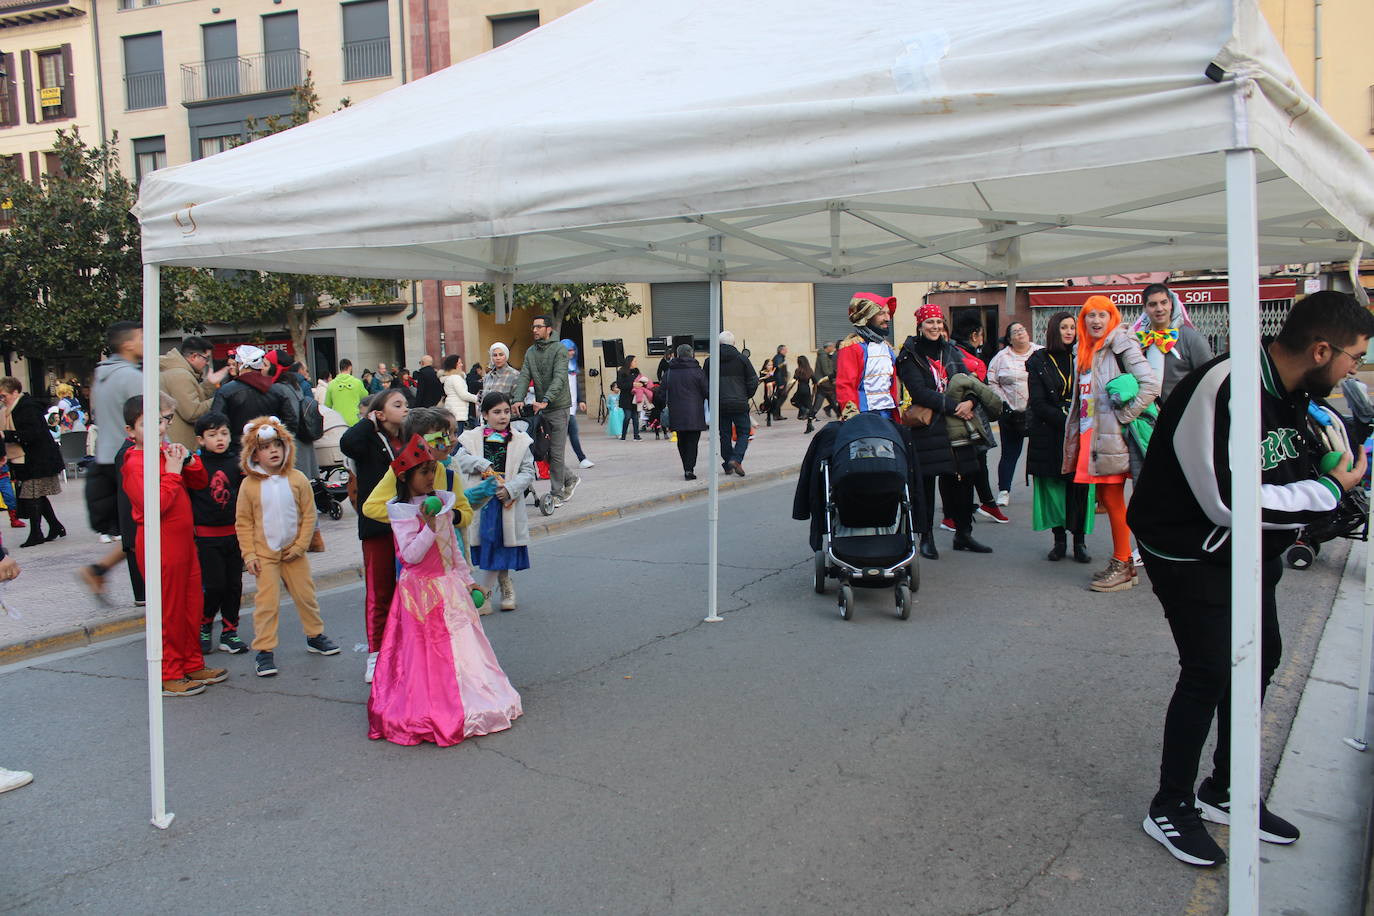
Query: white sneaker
13, 779
371, 667
1004, 497
586, 463
1136, 559
106, 539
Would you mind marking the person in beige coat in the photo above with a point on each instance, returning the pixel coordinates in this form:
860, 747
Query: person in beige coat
1095, 449
182, 373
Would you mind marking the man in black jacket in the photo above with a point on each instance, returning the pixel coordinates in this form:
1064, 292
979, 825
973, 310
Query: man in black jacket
429, 390
1180, 514
738, 382
250, 395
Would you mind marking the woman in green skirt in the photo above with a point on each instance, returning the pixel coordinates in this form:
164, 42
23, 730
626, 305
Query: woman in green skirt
1059, 504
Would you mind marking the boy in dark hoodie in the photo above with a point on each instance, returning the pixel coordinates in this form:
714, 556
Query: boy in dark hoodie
217, 543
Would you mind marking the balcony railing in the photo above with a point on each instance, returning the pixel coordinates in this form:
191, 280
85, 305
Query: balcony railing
250, 74
144, 90
368, 59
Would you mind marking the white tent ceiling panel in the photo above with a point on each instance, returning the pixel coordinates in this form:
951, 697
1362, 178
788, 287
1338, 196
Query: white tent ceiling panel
886, 141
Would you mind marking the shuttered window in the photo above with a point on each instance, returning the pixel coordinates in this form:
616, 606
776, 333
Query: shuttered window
681, 308
509, 28
832, 308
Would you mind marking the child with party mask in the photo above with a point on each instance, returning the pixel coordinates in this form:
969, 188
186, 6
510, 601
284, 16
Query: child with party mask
500, 536
436, 677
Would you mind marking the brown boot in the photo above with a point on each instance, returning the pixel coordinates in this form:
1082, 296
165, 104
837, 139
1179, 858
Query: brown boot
1118, 576
208, 675
316, 543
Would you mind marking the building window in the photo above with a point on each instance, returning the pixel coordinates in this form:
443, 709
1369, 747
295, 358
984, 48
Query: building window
53, 95
144, 83
52, 165
150, 154
367, 40
211, 145
510, 27
9, 92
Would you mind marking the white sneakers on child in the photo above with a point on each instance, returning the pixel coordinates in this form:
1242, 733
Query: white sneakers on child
371, 667
13, 779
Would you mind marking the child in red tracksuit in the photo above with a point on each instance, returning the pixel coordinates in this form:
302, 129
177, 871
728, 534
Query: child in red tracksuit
183, 668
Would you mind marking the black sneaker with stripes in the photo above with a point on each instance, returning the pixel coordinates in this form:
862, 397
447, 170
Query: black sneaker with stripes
1178, 828
1216, 807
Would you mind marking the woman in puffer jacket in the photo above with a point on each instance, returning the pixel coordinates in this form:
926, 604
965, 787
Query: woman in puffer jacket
1095, 449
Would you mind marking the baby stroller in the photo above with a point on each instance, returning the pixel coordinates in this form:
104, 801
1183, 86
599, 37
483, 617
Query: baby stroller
328, 499
1329, 432
869, 539
532, 424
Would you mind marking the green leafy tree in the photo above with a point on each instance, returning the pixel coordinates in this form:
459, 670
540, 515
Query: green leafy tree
576, 301
70, 261
291, 301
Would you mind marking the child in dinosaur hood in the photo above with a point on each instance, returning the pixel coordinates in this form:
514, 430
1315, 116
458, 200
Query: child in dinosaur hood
274, 521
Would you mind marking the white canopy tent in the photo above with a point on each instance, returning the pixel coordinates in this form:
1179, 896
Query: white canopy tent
883, 140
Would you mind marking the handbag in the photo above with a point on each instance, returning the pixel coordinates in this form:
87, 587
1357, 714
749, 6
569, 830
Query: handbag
1013, 422
917, 416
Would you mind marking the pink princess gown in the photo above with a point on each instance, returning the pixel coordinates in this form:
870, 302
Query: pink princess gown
436, 677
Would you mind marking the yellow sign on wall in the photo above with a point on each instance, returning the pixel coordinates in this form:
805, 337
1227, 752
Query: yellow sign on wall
50, 97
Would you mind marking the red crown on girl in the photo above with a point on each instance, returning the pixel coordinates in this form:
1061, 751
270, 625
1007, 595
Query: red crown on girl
413, 455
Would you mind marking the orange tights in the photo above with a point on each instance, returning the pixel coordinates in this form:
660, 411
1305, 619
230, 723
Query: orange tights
1113, 497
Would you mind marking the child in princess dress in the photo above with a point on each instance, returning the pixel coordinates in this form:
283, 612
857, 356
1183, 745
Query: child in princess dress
437, 678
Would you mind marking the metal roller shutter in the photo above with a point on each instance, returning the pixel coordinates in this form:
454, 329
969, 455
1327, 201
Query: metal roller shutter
681, 308
832, 308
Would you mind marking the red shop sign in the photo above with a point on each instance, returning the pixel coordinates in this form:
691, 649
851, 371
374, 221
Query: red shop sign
222, 350
1072, 298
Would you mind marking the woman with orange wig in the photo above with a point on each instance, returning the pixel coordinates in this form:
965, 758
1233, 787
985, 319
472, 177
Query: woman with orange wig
1114, 385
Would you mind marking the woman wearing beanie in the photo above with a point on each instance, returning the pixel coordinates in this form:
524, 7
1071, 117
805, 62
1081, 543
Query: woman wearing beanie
925, 365
1057, 503
1114, 385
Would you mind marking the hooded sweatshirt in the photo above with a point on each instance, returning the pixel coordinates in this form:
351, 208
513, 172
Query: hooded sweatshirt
116, 380
546, 364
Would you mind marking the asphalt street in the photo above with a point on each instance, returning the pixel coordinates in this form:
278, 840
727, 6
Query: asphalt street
993, 754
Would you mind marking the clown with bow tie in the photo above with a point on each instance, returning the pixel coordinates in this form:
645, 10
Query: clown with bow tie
1172, 346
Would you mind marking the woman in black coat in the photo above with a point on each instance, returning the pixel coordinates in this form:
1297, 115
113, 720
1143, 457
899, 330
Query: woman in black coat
1057, 502
627, 378
39, 476
687, 392
924, 365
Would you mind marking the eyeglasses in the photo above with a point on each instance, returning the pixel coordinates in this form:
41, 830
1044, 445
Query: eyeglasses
166, 417
1358, 358
438, 439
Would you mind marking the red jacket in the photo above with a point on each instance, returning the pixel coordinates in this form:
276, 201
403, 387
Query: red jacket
174, 495
850, 362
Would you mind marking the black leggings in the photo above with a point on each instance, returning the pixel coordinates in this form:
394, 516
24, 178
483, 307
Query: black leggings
687, 442
1197, 603
221, 573
957, 495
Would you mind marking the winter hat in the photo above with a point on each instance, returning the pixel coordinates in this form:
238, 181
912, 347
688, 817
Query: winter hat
864, 306
250, 356
413, 455
257, 433
928, 311
273, 364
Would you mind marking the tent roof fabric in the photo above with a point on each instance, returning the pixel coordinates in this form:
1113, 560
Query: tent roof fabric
881, 140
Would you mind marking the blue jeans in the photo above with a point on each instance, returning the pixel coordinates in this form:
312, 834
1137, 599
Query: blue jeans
1011, 453
573, 439
739, 422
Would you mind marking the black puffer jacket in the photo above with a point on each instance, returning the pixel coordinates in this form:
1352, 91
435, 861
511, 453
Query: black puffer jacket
738, 380
687, 392
251, 396
42, 457
371, 455
1051, 384
930, 443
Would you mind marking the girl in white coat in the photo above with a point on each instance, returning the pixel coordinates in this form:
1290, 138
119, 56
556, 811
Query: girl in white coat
499, 535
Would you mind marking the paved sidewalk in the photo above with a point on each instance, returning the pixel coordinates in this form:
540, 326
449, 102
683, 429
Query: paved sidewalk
56, 612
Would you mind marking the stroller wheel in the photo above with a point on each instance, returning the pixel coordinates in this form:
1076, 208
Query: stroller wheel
335, 511
820, 572
546, 504
847, 601
1300, 556
913, 576
903, 601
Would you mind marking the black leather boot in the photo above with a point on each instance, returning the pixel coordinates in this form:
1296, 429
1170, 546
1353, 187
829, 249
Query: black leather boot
29, 509
1060, 547
963, 540
928, 547
1080, 551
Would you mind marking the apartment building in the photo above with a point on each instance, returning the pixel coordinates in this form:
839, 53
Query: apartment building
50, 81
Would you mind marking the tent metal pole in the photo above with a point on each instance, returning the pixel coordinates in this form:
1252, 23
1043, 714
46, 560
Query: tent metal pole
1243, 271
152, 544
712, 428
1359, 728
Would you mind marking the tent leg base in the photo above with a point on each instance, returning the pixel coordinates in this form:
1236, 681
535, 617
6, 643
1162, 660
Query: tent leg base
1356, 743
163, 821
714, 618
